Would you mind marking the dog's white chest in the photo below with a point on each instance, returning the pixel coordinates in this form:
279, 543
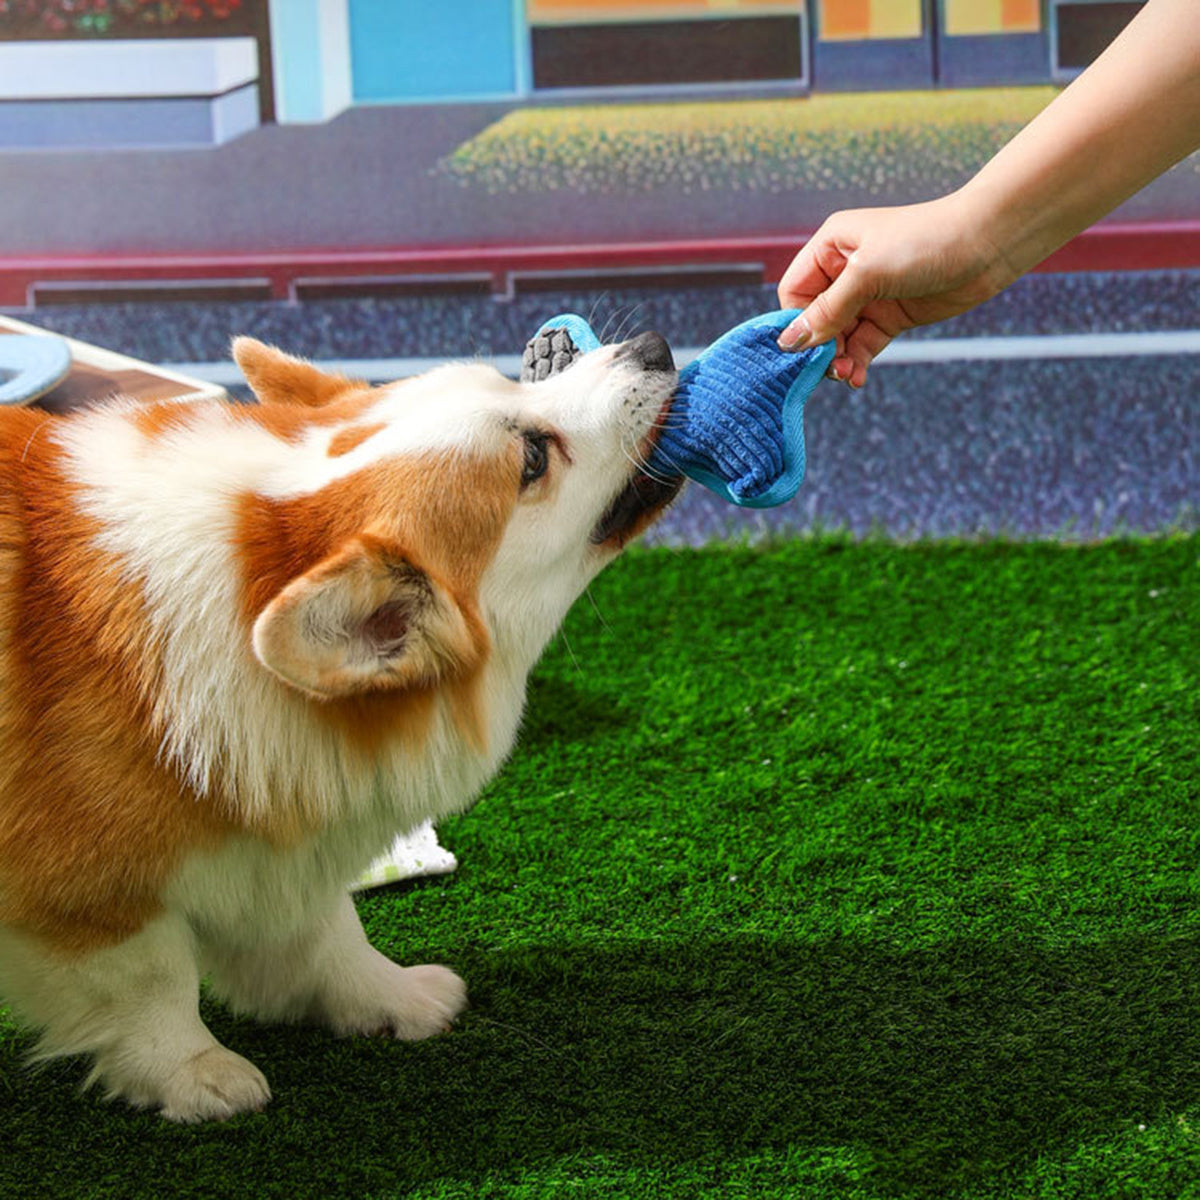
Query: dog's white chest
249, 889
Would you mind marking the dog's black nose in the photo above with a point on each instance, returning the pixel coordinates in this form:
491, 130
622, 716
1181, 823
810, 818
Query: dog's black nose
649, 349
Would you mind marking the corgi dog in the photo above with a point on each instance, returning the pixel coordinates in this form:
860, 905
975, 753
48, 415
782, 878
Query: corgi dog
242, 647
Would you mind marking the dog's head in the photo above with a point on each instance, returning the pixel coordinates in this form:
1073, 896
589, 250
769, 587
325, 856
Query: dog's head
433, 521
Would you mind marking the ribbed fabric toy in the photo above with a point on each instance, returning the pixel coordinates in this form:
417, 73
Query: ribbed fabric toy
736, 423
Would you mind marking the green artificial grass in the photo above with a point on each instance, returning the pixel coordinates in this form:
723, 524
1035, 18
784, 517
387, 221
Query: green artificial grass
830, 869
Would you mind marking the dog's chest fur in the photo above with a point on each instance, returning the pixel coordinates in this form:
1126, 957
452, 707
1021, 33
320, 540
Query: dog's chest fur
249, 889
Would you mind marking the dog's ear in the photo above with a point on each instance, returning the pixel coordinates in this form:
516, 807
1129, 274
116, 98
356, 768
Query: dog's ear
365, 619
276, 376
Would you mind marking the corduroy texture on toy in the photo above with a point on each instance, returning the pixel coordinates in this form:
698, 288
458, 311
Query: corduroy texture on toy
736, 423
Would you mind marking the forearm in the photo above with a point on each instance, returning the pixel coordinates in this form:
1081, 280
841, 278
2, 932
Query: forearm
1131, 115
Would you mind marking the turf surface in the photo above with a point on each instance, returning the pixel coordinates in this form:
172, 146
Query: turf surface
832, 870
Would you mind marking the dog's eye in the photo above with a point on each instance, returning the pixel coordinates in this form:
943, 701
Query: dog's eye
537, 458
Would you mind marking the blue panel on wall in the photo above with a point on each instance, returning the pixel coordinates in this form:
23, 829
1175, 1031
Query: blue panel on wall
412, 49
996, 58
881, 64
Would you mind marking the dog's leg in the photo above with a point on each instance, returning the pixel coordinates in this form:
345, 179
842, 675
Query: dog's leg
133, 1007
331, 974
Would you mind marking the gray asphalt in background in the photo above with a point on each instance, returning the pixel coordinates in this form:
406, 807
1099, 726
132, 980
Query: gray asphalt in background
1058, 447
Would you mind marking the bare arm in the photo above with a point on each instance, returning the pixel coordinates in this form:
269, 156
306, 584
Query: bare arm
869, 274
1130, 116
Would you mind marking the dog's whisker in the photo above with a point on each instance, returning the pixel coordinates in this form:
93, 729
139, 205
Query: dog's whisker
571, 651
613, 329
608, 322
620, 333
643, 464
634, 455
29, 441
595, 305
665, 423
650, 470
629, 323
596, 608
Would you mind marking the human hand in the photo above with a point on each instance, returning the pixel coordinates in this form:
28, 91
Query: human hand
868, 274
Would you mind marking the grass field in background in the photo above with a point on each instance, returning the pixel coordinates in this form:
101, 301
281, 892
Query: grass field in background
831, 869
878, 141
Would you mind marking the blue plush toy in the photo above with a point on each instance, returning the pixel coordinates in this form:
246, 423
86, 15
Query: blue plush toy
737, 419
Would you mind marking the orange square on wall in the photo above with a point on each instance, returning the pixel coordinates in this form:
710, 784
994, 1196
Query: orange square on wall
1020, 16
845, 18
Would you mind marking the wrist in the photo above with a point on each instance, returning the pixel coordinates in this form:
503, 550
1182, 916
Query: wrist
975, 220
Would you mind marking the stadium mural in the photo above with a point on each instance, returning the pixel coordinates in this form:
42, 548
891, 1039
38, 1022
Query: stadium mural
281, 144
240, 62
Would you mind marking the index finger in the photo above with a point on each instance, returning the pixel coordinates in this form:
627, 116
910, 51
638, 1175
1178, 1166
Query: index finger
805, 278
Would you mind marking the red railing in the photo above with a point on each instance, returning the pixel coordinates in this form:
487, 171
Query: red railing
1105, 247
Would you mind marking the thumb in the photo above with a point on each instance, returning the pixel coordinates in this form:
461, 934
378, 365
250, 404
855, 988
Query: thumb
829, 313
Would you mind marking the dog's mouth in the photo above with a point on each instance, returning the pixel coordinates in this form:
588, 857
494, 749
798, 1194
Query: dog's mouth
641, 500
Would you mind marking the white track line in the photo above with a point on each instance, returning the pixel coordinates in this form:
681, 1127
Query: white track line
1061, 345
900, 353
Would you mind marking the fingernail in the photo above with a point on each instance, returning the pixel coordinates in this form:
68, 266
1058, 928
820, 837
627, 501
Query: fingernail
832, 374
796, 335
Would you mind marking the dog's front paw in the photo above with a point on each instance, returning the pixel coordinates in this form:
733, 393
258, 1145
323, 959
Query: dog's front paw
435, 996
407, 1002
210, 1085
213, 1085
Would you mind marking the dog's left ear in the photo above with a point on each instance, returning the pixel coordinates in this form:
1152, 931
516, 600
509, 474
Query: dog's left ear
366, 619
276, 376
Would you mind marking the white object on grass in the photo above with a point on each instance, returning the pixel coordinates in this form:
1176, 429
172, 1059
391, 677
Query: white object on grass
412, 855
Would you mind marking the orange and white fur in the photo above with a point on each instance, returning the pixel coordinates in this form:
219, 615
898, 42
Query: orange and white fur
241, 648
